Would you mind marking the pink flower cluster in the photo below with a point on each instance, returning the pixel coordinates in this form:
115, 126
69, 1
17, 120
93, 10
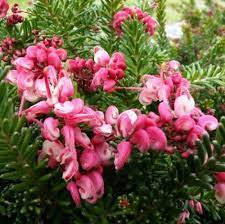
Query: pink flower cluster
178, 116
220, 187
129, 13
78, 139
4, 7
41, 79
103, 71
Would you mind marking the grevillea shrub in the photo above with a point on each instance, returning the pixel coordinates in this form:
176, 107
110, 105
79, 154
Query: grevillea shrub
126, 148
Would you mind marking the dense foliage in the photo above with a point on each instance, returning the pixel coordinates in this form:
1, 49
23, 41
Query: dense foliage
175, 176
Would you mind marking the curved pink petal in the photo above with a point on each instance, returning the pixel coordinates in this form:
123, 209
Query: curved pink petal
73, 189
122, 155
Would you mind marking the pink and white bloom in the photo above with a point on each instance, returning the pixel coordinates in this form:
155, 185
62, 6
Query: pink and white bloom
208, 122
68, 158
125, 122
101, 56
50, 129
111, 115
184, 105
122, 155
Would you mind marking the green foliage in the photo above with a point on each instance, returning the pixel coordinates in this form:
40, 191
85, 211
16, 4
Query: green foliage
208, 77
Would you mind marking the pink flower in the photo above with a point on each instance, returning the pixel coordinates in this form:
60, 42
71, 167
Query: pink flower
208, 122
24, 62
173, 65
220, 192
86, 189
105, 129
195, 134
105, 152
98, 183
73, 189
82, 139
89, 159
184, 123
183, 216
68, 158
53, 149
25, 80
118, 59
37, 109
64, 109
4, 7
50, 130
111, 115
184, 105
54, 60
125, 122
198, 207
69, 136
65, 88
165, 112
122, 155
141, 139
101, 57
157, 138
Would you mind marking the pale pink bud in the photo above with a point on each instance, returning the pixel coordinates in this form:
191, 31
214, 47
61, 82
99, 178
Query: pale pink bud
208, 122
105, 129
174, 65
122, 155
184, 105
62, 54
109, 85
111, 115
73, 189
125, 122
101, 56
183, 216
